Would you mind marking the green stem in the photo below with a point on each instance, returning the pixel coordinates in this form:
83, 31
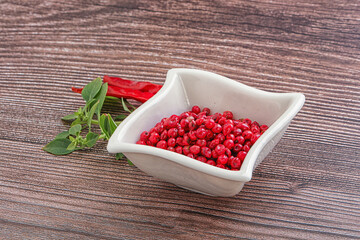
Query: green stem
102, 136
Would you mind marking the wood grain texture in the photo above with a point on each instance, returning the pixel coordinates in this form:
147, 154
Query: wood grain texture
307, 188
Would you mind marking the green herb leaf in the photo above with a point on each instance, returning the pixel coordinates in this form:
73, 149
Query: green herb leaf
104, 126
71, 146
91, 139
107, 125
120, 117
119, 156
58, 146
111, 98
69, 117
76, 122
124, 105
127, 102
91, 89
91, 114
94, 95
63, 134
79, 111
88, 106
101, 98
112, 124
75, 129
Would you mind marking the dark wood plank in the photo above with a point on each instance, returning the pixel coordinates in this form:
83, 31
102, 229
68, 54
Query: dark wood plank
307, 188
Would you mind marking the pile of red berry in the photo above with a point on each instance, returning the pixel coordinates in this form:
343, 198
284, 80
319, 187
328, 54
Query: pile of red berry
217, 139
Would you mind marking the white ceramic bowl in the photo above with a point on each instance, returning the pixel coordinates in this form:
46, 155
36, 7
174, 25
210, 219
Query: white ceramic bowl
184, 88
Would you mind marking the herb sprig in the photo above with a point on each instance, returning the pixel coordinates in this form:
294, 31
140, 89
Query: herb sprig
80, 134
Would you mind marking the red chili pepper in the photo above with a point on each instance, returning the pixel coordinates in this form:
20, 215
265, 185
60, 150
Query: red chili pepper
77, 90
141, 86
128, 93
122, 88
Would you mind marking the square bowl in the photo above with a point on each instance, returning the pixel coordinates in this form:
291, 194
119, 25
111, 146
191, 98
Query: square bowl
185, 88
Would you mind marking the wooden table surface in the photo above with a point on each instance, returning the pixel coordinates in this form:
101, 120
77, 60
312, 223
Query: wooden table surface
307, 188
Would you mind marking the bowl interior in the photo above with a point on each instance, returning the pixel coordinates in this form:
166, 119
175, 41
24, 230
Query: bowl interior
220, 94
187, 88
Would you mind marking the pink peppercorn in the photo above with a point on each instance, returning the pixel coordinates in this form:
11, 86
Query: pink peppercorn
162, 144
195, 109
184, 115
141, 142
255, 137
237, 147
195, 149
144, 135
217, 128
172, 149
247, 134
243, 126
255, 129
201, 142
239, 139
164, 135
154, 137
228, 115
201, 133
227, 152
237, 131
214, 143
214, 154
199, 121
230, 136
263, 128
171, 142
206, 152
247, 121
228, 143
209, 123
235, 163
222, 120
202, 159
211, 162
186, 140
220, 149
181, 132
217, 139
206, 110
179, 150
171, 122
192, 135
221, 137
186, 150
179, 141
192, 125
222, 159
184, 123
209, 135
241, 155
227, 128
216, 117
220, 166
246, 148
